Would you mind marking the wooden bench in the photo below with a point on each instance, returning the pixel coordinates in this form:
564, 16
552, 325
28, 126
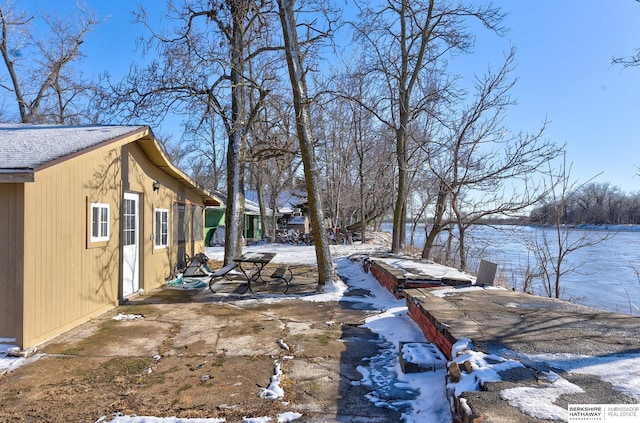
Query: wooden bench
221, 273
281, 274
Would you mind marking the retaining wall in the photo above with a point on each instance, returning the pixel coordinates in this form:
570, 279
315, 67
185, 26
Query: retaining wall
394, 280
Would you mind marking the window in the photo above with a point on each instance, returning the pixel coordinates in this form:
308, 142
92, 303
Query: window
180, 224
129, 222
99, 222
197, 227
161, 228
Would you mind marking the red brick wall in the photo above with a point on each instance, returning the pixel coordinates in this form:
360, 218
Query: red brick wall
423, 319
385, 278
429, 326
425, 322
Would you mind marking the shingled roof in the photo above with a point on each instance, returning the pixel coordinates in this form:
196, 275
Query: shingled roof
25, 147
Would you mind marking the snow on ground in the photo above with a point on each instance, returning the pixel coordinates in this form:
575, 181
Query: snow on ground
274, 390
419, 396
434, 271
535, 401
444, 292
9, 357
621, 370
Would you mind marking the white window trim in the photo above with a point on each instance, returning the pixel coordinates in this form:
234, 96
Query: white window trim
155, 214
101, 236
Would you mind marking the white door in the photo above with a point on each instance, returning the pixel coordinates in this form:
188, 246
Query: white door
130, 240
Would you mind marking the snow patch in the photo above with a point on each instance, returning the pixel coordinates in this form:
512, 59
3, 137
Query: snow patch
273, 391
617, 369
121, 316
539, 401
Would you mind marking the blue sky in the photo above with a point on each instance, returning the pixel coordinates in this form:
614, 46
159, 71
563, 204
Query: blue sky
563, 55
564, 50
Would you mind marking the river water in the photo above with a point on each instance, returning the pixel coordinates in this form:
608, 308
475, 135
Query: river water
606, 274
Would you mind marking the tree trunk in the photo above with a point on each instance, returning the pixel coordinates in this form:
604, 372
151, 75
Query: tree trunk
274, 217
400, 212
417, 217
363, 210
266, 230
559, 259
437, 222
326, 272
236, 153
462, 246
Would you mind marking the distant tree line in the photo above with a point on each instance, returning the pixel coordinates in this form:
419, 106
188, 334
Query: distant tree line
592, 204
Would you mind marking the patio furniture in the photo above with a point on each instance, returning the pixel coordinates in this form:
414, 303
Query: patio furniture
281, 275
251, 265
220, 273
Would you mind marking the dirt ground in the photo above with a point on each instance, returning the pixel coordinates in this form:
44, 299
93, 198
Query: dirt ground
199, 354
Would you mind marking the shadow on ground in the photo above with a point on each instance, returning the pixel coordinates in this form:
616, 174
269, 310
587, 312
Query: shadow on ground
198, 354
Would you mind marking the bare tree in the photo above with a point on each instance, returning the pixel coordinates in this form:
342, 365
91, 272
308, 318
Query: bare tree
489, 170
551, 246
275, 159
355, 153
203, 151
301, 101
407, 40
628, 61
476, 159
374, 159
44, 83
203, 74
594, 203
337, 155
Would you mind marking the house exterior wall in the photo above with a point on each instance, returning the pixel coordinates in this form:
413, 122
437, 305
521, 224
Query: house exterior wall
66, 279
251, 227
214, 217
11, 226
157, 263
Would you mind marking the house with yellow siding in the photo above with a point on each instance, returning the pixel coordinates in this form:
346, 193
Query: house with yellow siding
89, 216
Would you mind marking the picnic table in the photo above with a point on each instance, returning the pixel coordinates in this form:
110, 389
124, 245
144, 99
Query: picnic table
253, 265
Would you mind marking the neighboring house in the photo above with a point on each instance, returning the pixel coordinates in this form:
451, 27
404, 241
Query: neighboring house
289, 215
89, 215
215, 218
287, 202
298, 222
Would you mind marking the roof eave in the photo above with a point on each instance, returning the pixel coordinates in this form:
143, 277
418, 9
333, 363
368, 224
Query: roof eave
156, 154
16, 175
